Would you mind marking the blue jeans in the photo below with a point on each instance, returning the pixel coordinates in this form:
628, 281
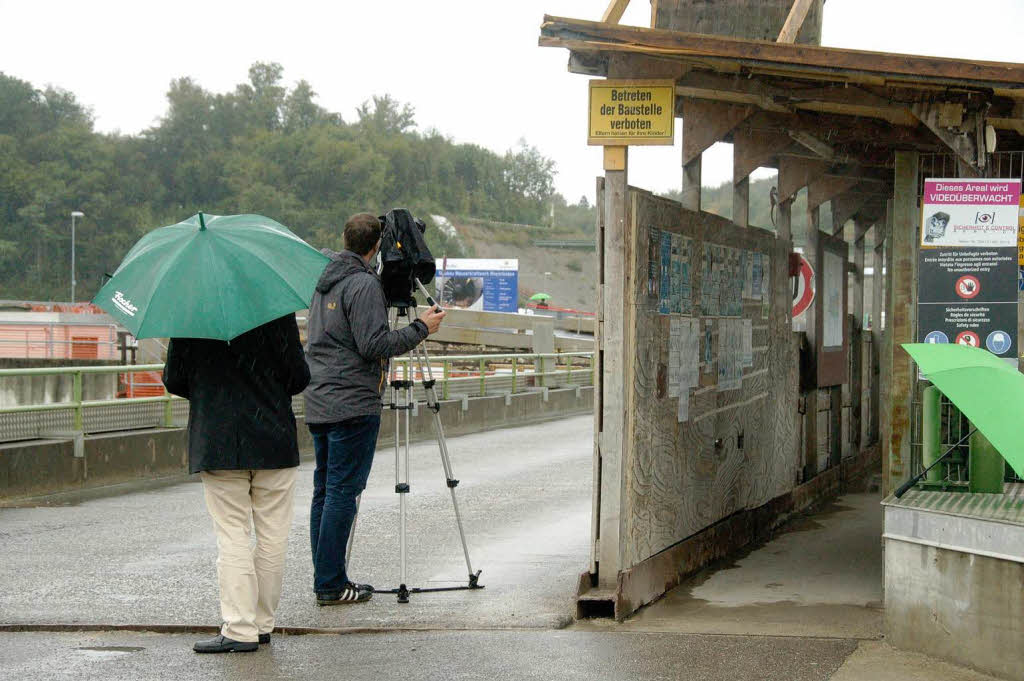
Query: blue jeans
344, 453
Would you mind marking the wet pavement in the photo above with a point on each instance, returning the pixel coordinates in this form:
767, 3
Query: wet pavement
467, 656
821, 575
804, 606
148, 557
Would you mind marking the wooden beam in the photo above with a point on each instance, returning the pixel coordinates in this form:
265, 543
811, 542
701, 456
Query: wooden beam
841, 131
827, 188
752, 150
797, 15
803, 59
797, 173
613, 14
819, 147
1015, 124
706, 122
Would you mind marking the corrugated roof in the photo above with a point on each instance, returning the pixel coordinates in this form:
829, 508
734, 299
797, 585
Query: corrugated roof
1005, 508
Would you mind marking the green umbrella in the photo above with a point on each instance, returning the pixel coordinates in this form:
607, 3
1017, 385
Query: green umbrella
212, 277
540, 296
988, 390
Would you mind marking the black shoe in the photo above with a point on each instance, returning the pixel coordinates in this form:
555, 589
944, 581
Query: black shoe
264, 638
222, 644
352, 593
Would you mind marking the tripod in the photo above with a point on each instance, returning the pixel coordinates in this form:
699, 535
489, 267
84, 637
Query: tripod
403, 401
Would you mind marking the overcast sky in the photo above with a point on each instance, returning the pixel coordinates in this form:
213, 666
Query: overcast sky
471, 68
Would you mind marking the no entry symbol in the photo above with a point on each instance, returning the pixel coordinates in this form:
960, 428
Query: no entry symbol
968, 286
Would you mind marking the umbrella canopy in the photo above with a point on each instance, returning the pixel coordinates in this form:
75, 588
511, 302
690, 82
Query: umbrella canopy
987, 389
212, 277
540, 296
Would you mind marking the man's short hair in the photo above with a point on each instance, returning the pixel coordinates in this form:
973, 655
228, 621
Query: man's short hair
362, 231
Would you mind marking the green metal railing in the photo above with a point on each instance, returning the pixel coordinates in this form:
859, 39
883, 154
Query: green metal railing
460, 375
512, 372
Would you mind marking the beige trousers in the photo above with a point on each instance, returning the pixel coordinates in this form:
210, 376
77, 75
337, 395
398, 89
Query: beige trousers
250, 576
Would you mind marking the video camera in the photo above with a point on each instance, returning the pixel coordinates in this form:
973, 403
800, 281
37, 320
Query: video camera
404, 257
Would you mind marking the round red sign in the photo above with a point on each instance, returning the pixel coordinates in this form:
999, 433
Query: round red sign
804, 294
968, 286
969, 338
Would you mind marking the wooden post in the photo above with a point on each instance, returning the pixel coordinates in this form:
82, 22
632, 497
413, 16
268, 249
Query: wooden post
902, 306
613, 372
877, 303
784, 220
814, 254
741, 202
857, 338
691, 184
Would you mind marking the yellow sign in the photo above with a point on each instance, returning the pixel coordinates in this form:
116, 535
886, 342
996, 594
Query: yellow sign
1020, 233
625, 112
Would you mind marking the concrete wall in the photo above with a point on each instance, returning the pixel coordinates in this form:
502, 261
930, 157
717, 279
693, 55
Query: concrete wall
956, 606
25, 390
42, 467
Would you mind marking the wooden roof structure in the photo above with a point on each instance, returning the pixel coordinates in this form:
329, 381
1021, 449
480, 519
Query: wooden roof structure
830, 119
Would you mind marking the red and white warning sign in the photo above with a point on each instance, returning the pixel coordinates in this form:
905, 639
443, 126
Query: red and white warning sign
969, 338
968, 286
803, 292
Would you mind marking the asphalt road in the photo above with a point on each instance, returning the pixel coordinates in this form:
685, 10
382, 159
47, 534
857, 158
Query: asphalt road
148, 557
466, 656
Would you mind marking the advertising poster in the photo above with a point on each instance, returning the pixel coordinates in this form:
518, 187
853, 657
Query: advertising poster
968, 264
473, 284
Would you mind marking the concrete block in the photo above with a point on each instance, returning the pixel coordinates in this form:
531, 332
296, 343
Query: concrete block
959, 607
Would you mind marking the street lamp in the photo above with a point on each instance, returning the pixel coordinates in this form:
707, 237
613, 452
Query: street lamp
74, 214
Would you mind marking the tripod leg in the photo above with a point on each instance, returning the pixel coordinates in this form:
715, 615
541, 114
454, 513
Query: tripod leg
352, 533
423, 360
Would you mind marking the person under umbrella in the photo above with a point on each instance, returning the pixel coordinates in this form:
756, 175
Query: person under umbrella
225, 290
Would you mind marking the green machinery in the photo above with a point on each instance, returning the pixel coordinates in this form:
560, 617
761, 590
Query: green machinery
974, 467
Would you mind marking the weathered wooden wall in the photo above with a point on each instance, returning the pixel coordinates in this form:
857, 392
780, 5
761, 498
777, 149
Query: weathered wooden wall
681, 477
757, 19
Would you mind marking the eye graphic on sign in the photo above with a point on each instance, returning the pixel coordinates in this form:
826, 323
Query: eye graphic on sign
968, 286
985, 218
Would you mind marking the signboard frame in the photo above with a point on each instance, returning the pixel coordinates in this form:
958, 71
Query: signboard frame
667, 138
966, 289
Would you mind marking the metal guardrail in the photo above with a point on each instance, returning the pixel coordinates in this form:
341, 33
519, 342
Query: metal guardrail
456, 376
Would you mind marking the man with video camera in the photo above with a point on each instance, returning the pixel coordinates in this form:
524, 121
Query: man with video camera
348, 346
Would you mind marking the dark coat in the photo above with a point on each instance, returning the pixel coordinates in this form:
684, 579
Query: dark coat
349, 342
239, 393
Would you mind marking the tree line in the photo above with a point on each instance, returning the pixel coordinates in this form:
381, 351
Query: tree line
260, 148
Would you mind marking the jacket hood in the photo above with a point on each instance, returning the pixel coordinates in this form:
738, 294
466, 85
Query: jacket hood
342, 265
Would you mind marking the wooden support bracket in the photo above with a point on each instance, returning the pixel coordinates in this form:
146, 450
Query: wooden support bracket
828, 187
844, 208
797, 15
753, 149
796, 173
706, 122
613, 14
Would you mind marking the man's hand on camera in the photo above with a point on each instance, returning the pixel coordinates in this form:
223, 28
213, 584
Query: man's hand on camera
432, 317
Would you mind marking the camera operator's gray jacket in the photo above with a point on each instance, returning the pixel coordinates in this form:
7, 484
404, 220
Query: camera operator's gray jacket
348, 342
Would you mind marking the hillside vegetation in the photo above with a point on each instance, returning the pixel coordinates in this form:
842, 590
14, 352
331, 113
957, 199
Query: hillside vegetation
260, 148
